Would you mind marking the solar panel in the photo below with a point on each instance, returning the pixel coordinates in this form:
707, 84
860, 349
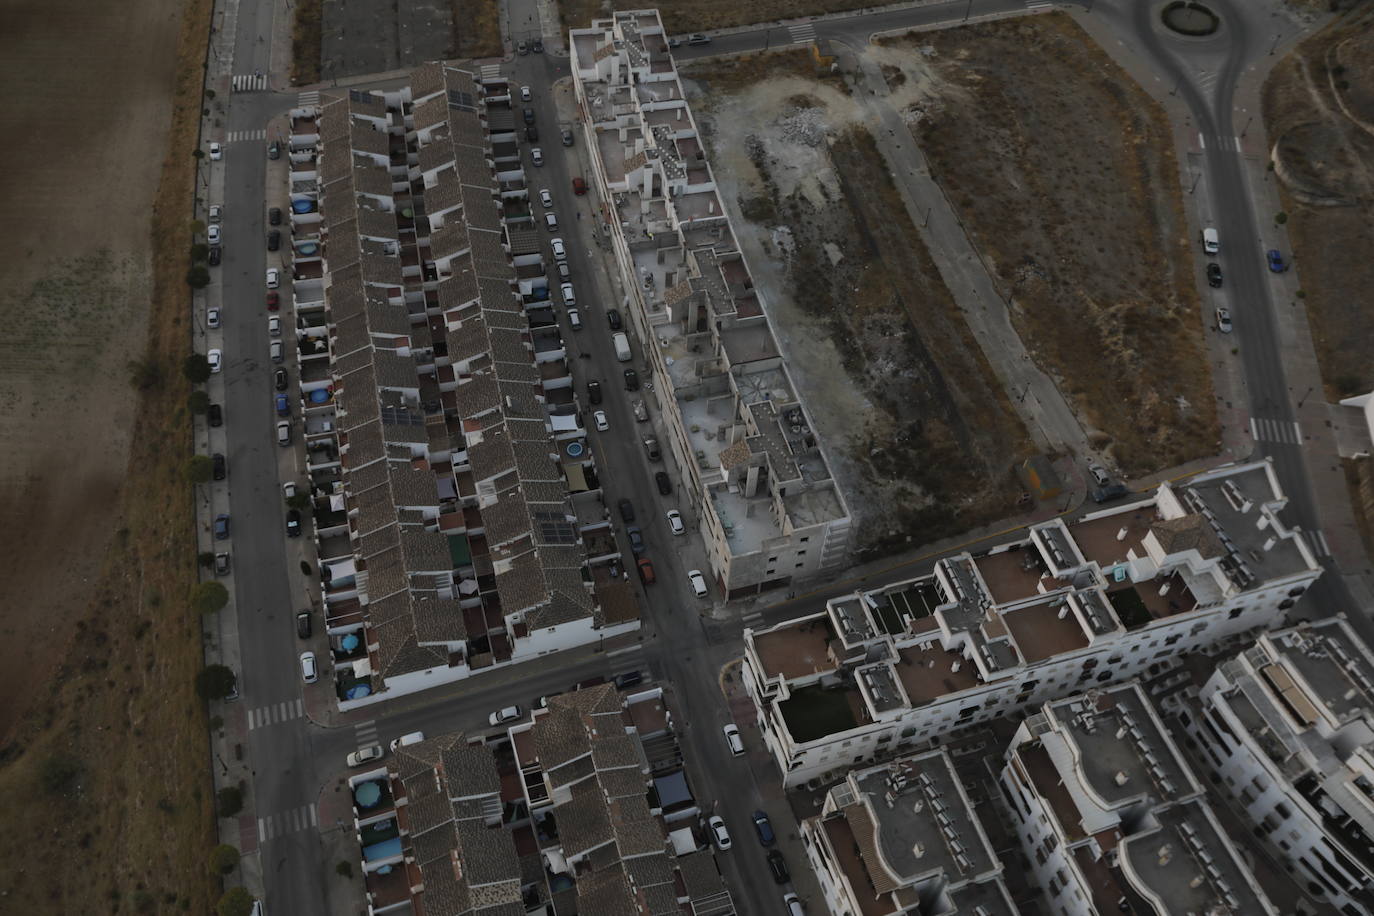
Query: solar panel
554, 527
463, 101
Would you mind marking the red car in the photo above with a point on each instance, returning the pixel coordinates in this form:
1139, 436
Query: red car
579, 186
273, 301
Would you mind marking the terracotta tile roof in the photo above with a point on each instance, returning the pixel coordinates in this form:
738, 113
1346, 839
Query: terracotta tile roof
734, 455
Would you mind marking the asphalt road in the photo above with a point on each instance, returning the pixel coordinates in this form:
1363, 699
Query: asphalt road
293, 759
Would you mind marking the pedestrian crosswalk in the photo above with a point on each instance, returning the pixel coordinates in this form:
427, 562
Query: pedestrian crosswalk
1317, 541
1275, 431
275, 714
308, 99
491, 72
366, 733
802, 33
752, 619
1034, 5
637, 647
254, 82
294, 821
1231, 143
236, 136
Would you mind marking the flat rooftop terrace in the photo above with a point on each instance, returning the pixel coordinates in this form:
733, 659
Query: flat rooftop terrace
1040, 632
1101, 541
796, 649
928, 674
1015, 575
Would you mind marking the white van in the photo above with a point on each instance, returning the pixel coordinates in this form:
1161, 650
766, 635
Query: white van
793, 904
407, 740
1210, 243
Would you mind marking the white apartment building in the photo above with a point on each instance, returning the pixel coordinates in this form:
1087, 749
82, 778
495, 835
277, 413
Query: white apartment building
903, 838
1112, 819
751, 464
1288, 725
1072, 604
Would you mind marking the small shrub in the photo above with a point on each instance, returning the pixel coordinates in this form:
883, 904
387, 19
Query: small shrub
196, 368
235, 902
59, 772
344, 869
199, 469
215, 682
223, 859
145, 374
206, 558
229, 801
198, 277
1280, 217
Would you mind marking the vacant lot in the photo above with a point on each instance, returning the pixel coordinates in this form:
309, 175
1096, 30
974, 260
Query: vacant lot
332, 39
682, 16
103, 764
1063, 171
921, 435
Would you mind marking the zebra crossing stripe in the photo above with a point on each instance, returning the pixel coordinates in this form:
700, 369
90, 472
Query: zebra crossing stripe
308, 98
1263, 430
256, 82
237, 136
801, 33
491, 71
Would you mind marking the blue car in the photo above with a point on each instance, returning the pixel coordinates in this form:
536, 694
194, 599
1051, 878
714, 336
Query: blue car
1276, 261
283, 405
763, 828
221, 527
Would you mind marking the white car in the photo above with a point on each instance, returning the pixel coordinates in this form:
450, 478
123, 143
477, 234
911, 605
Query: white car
273, 278
551, 221
599, 418
698, 581
216, 212
212, 234
719, 833
1099, 474
308, 672
284, 433
216, 153
524, 93
567, 290
501, 716
288, 489
216, 359
733, 739
675, 521
559, 252
1224, 321
575, 319
545, 198
364, 755
273, 326
537, 155
277, 352
212, 318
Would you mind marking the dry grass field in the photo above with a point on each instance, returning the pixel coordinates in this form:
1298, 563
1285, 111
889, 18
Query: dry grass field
104, 756
1063, 170
683, 16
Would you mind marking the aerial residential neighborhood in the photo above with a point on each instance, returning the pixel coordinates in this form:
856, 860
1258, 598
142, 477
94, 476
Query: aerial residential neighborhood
807, 458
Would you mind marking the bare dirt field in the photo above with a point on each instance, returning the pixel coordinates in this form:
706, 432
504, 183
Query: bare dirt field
682, 16
103, 758
331, 39
922, 437
1063, 171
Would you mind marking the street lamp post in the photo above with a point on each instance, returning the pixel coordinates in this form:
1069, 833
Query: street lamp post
1247, 125
1196, 179
1303, 400
967, 10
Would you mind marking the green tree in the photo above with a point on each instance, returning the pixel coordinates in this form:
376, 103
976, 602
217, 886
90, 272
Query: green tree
235, 902
199, 401
344, 869
199, 468
208, 597
199, 153
198, 227
230, 800
196, 368
215, 682
206, 558
1280, 217
200, 251
198, 277
145, 374
223, 859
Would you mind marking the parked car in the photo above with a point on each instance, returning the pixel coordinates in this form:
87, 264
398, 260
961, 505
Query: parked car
273, 302
631, 380
274, 216
1099, 474
273, 326
274, 150
522, 48
559, 252
663, 482
793, 905
221, 564
599, 418
763, 828
529, 115
1224, 320
293, 523
719, 833
551, 222
365, 755
627, 510
216, 151
288, 489
536, 155
698, 582
502, 716
532, 134
216, 414
274, 240
628, 679
215, 254
696, 38
284, 433
525, 94
594, 392
308, 672
575, 319
537, 46
221, 469
646, 571
636, 539
1213, 274
212, 234
407, 740
613, 319
212, 318
1109, 493
564, 271
222, 527
545, 198
651, 448
1275, 259
579, 186
216, 213
675, 522
569, 297
640, 411
216, 359
567, 137
273, 278
733, 740
777, 866
279, 379
303, 624
276, 351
